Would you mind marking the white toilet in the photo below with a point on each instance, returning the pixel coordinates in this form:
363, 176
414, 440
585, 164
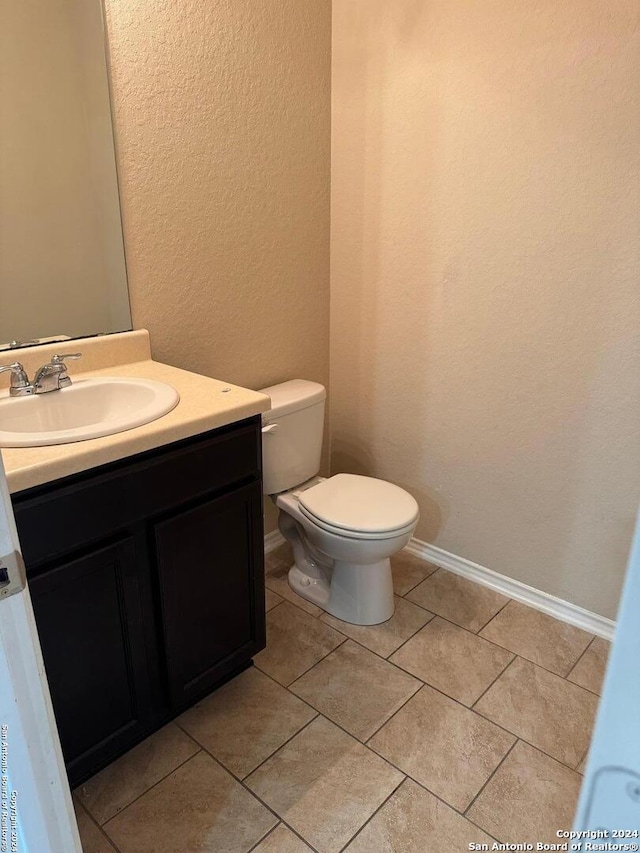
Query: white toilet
343, 529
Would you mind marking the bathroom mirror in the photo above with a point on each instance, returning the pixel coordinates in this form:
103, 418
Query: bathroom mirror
62, 264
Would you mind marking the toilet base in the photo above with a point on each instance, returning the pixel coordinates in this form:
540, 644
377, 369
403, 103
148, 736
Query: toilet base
358, 594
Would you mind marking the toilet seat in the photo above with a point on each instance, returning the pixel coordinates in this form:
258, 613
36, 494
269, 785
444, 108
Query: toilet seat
359, 507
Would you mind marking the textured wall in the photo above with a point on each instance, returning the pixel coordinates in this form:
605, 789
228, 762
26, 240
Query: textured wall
485, 265
222, 114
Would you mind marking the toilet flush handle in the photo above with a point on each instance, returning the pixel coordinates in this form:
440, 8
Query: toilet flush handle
270, 428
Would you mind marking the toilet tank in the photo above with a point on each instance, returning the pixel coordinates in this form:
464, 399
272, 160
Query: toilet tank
292, 434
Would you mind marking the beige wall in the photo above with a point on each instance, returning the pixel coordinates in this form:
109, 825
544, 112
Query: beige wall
485, 267
222, 114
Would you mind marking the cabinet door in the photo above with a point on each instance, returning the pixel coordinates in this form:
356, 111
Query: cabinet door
210, 567
90, 627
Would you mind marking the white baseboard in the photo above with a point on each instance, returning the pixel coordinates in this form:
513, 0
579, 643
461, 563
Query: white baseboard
272, 541
536, 598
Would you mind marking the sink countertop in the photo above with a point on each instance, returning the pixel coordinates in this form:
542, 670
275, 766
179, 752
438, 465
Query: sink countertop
203, 406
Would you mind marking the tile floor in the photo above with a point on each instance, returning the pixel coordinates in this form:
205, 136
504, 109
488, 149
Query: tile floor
465, 718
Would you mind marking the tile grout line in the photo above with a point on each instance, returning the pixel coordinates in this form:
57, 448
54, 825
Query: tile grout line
264, 837
286, 686
283, 598
151, 787
389, 762
301, 837
472, 707
508, 731
498, 766
241, 782
432, 616
586, 689
579, 659
364, 649
473, 711
586, 752
528, 743
283, 822
404, 772
422, 580
97, 825
497, 645
264, 760
495, 615
371, 817
382, 657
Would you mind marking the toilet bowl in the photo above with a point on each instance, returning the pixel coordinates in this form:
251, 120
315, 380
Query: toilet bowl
343, 529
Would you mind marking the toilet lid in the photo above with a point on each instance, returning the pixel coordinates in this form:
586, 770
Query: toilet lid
364, 504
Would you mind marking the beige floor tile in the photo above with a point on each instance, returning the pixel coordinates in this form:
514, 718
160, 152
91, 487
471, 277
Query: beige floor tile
271, 599
278, 583
385, 638
590, 669
246, 720
295, 642
109, 791
92, 839
408, 570
356, 689
537, 637
324, 784
282, 840
414, 821
543, 709
529, 798
447, 748
278, 559
457, 599
583, 764
453, 660
200, 808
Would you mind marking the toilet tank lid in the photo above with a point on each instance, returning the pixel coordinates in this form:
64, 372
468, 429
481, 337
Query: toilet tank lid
293, 396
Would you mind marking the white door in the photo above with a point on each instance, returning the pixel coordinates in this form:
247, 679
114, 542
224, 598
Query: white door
609, 809
36, 812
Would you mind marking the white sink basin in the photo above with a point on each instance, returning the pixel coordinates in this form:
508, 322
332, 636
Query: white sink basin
90, 408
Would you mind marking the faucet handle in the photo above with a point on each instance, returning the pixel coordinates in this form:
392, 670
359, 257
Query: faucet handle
59, 359
20, 384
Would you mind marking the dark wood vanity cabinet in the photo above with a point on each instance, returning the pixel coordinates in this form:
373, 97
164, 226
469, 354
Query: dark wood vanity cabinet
208, 616
147, 582
89, 619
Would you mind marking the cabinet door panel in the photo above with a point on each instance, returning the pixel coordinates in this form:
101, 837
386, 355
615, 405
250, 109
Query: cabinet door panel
90, 627
212, 590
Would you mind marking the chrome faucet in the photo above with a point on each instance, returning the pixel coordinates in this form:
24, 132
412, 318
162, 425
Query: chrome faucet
52, 376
